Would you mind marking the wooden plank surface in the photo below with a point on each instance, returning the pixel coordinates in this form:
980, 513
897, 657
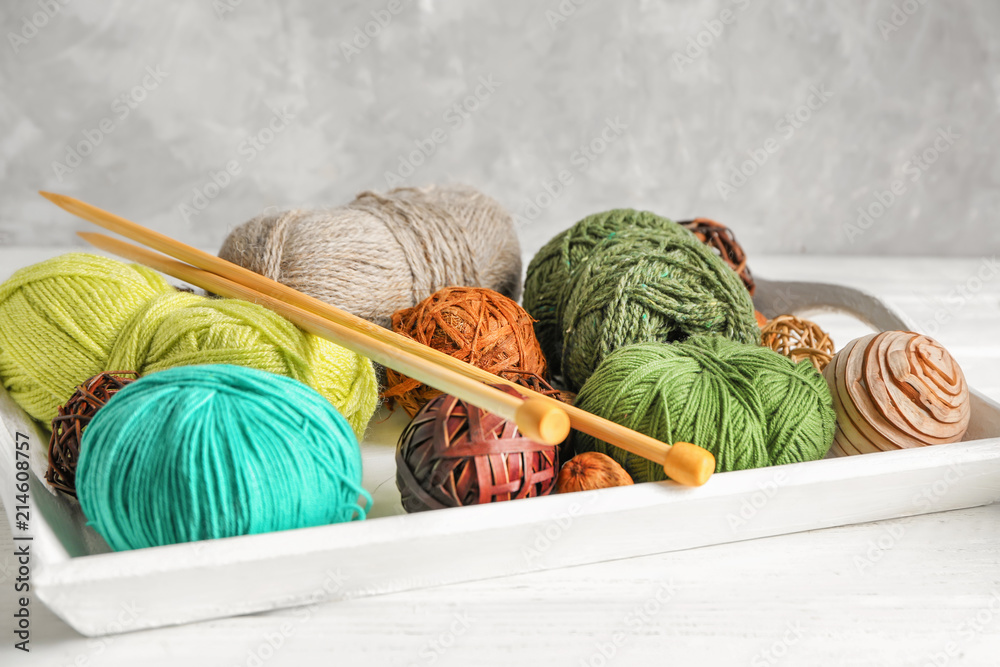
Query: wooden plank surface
918, 591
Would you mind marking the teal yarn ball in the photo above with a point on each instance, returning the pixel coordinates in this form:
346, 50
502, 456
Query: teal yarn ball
748, 405
646, 280
548, 273
203, 452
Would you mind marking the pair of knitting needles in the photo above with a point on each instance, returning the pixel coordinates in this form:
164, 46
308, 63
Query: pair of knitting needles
538, 417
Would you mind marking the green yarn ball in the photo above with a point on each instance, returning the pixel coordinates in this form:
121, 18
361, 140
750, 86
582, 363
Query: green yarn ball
204, 452
748, 405
71, 317
548, 273
649, 280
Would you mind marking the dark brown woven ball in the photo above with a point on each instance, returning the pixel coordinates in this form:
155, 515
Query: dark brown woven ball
537, 383
73, 417
721, 239
453, 454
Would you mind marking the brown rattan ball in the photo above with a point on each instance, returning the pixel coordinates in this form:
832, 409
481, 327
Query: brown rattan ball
798, 339
474, 324
722, 240
453, 454
537, 383
73, 417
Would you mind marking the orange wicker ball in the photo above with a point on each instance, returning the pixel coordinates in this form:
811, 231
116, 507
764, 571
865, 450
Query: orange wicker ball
474, 324
453, 454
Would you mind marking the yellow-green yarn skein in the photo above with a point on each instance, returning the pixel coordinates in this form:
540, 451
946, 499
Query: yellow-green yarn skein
88, 315
748, 405
58, 321
182, 329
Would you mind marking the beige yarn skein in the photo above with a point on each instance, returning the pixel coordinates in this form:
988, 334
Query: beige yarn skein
384, 252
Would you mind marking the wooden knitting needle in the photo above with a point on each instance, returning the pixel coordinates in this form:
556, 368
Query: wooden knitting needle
536, 419
684, 462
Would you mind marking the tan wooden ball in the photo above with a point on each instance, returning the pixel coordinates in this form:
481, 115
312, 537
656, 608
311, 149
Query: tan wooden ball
896, 390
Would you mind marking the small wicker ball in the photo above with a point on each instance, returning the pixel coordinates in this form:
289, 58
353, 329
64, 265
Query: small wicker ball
896, 390
72, 419
589, 471
453, 454
474, 324
721, 239
798, 339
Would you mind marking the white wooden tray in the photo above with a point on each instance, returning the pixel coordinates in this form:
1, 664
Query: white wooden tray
98, 592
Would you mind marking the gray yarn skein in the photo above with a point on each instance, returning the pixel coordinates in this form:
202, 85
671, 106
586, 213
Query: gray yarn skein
381, 253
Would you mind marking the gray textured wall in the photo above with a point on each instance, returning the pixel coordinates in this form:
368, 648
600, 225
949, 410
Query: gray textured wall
669, 96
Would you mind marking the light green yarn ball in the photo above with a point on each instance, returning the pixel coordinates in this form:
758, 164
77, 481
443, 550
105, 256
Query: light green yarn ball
748, 405
204, 452
88, 315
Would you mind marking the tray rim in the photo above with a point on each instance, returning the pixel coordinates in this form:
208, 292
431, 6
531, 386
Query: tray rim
60, 576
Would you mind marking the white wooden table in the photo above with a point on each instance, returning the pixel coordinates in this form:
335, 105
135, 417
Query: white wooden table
918, 591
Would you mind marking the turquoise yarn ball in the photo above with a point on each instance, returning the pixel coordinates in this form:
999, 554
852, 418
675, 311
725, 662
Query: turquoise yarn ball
748, 405
203, 452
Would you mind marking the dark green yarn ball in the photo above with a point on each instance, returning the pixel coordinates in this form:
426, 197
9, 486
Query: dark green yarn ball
545, 288
646, 279
751, 407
